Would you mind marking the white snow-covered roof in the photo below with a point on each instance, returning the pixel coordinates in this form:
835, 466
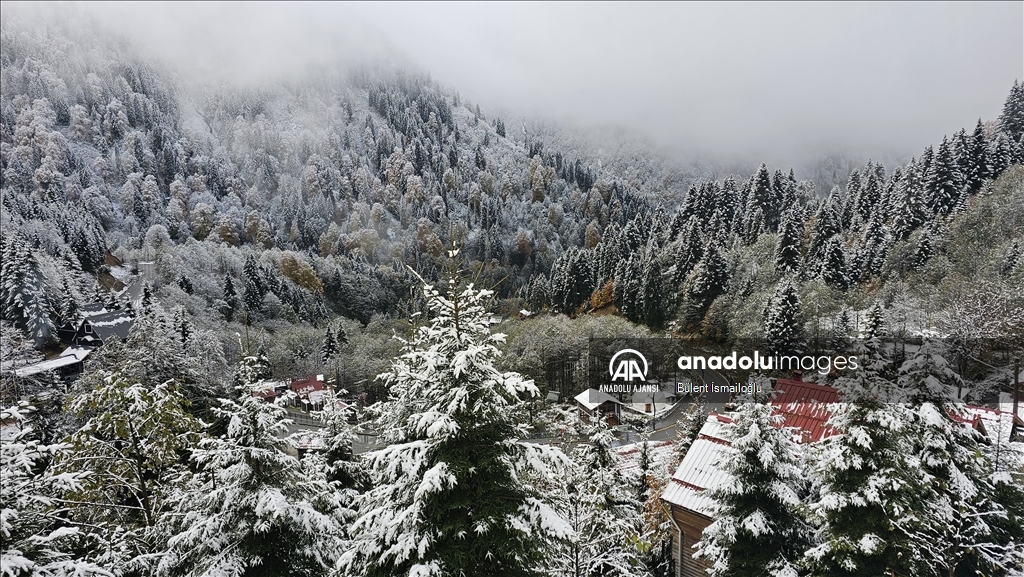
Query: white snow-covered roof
70, 356
660, 453
593, 398
307, 441
699, 469
316, 397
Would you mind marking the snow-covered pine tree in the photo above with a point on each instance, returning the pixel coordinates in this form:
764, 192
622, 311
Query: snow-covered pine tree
330, 346
783, 321
652, 298
1011, 120
251, 509
833, 265
787, 249
452, 491
230, 299
763, 197
338, 457
602, 511
23, 297
875, 322
962, 534
943, 180
826, 225
130, 445
925, 245
907, 210
758, 527
36, 536
869, 505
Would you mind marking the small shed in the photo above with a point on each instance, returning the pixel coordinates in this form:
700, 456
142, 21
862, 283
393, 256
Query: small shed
595, 404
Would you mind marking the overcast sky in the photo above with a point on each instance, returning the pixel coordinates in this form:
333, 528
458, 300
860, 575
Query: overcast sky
769, 80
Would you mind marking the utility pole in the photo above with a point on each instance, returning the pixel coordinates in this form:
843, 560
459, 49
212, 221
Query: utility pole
1016, 399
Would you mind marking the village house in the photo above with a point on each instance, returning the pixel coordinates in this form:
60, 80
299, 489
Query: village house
595, 404
95, 330
96, 326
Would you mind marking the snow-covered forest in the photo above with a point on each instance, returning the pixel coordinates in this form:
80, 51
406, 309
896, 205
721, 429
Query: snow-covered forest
442, 269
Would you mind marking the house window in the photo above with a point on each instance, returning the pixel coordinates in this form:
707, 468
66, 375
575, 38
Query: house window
88, 329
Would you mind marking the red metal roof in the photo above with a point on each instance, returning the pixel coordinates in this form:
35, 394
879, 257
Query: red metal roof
308, 384
804, 406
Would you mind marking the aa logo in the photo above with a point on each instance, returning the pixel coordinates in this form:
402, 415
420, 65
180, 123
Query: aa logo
627, 369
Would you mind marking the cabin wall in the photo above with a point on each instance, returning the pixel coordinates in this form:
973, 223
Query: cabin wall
692, 525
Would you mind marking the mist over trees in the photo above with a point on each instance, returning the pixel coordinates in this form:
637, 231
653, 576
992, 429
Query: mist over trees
296, 228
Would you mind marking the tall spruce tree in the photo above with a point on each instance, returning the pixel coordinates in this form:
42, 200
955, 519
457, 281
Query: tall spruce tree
23, 292
251, 509
943, 180
907, 210
870, 501
834, 269
783, 320
452, 492
230, 299
758, 527
787, 248
962, 534
1011, 120
131, 446
30, 507
652, 297
600, 508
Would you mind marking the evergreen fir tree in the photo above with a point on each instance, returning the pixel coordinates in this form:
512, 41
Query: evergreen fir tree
870, 195
131, 445
183, 326
783, 321
875, 322
451, 492
787, 249
959, 535
853, 187
146, 303
230, 299
834, 270
23, 292
1011, 120
251, 509
908, 211
826, 225
979, 157
925, 247
870, 494
30, 509
330, 346
185, 283
763, 197
652, 297
757, 529
599, 508
943, 181
711, 276
68, 308
253, 289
